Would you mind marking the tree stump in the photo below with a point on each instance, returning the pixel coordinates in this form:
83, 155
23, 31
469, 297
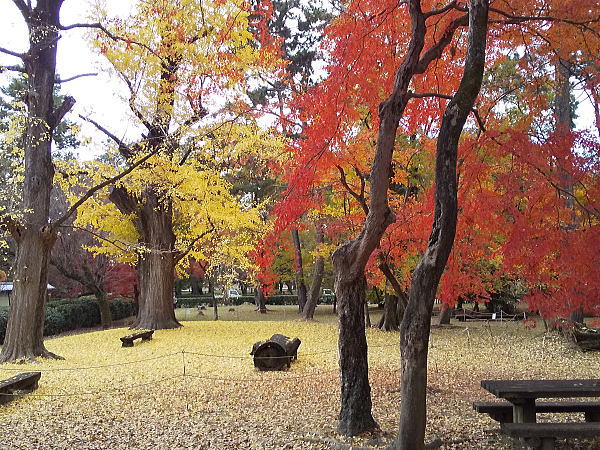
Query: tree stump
275, 353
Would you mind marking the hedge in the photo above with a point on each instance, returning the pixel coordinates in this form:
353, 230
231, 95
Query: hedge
66, 314
193, 302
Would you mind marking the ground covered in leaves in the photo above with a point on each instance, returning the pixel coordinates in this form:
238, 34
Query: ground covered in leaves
196, 387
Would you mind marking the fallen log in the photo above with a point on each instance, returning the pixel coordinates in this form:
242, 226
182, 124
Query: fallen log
275, 353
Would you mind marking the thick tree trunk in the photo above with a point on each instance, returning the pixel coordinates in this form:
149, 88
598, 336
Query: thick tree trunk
315, 286
355, 412
33, 234
390, 320
196, 285
156, 266
417, 318
301, 287
25, 328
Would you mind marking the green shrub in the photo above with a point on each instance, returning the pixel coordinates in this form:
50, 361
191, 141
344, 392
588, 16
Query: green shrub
70, 314
120, 308
283, 300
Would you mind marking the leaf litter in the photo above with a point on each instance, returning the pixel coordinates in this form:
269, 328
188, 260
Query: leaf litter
196, 387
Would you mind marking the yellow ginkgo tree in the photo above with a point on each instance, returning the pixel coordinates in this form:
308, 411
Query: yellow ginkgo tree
188, 67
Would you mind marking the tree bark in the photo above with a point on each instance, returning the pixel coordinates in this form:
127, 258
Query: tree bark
261, 305
401, 298
215, 308
355, 413
315, 286
390, 320
417, 318
301, 287
33, 235
445, 314
157, 259
104, 306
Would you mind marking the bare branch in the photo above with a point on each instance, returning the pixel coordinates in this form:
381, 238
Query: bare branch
134, 109
11, 53
448, 97
389, 275
114, 37
435, 51
81, 75
124, 149
124, 248
189, 248
25, 10
360, 198
20, 69
64, 108
435, 12
105, 183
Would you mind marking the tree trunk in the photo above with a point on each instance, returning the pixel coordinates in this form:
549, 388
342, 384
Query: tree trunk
215, 308
153, 221
355, 413
196, 285
25, 328
445, 314
401, 298
315, 286
104, 306
261, 303
390, 320
301, 287
367, 316
414, 336
33, 234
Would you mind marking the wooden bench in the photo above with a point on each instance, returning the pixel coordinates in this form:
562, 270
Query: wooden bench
23, 382
503, 411
128, 340
543, 435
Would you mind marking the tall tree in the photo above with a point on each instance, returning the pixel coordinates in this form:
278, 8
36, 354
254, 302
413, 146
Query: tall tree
175, 74
32, 231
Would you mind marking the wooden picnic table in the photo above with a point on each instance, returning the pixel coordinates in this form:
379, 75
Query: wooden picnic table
523, 393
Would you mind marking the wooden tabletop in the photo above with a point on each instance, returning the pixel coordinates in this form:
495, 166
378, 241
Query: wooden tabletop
542, 388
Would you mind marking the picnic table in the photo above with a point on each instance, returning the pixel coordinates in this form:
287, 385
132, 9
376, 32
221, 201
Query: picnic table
522, 394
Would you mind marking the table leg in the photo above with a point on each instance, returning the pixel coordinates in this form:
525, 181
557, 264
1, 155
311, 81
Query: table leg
524, 410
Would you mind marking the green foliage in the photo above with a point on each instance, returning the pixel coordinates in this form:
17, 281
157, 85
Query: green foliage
68, 314
193, 302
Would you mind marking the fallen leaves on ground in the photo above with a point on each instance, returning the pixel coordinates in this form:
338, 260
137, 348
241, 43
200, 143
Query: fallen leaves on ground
196, 387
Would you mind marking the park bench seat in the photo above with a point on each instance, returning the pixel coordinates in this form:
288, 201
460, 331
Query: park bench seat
25, 382
503, 411
128, 340
543, 435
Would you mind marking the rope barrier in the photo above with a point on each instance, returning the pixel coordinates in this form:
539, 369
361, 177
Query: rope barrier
185, 373
101, 391
127, 363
